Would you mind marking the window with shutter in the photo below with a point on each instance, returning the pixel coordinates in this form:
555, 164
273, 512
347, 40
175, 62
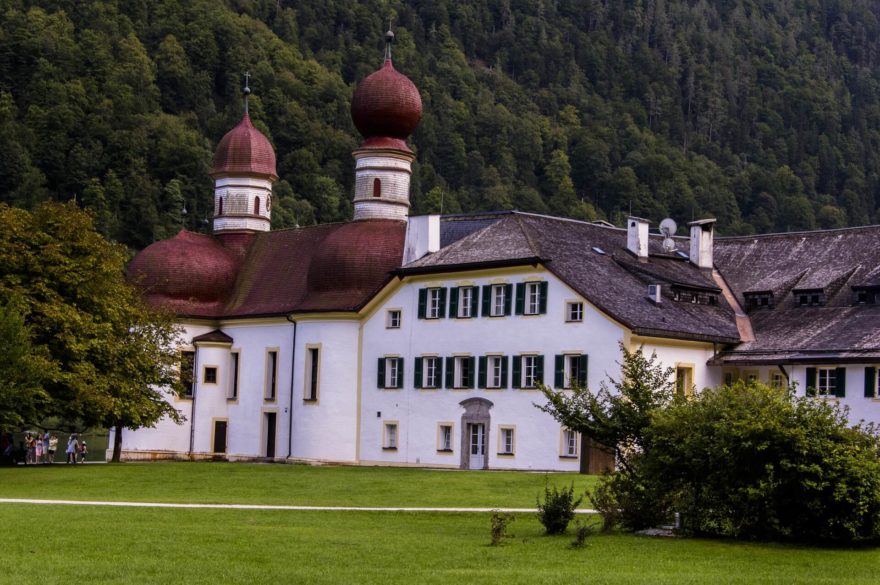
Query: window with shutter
516, 380
520, 298
840, 383
380, 373
417, 373
871, 384
811, 382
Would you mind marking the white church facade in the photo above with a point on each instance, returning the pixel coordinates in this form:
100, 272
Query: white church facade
420, 341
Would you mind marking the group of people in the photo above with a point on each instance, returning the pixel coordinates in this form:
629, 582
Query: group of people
41, 448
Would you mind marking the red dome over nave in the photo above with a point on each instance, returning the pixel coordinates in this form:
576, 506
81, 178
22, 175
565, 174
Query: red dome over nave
386, 104
246, 150
190, 267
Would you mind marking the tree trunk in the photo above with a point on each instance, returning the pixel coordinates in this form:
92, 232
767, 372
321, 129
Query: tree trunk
117, 444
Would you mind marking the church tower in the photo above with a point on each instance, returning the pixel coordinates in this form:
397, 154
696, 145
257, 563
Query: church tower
386, 107
243, 173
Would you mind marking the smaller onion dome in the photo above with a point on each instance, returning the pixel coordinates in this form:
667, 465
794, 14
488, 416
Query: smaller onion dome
188, 267
386, 104
245, 150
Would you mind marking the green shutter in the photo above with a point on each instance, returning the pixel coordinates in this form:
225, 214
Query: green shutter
487, 300
481, 377
504, 371
423, 302
870, 382
559, 372
508, 295
442, 312
542, 298
380, 374
472, 363
517, 371
417, 377
539, 369
475, 301
453, 302
811, 381
450, 372
582, 371
520, 298
840, 383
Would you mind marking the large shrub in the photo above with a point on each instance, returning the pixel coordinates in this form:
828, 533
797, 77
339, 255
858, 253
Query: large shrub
752, 461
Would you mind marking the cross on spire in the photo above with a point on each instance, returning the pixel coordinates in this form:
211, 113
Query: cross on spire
246, 91
389, 38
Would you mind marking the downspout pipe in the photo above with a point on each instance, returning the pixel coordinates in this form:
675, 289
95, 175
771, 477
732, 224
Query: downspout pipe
192, 412
290, 407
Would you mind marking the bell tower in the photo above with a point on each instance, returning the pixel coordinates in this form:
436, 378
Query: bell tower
386, 107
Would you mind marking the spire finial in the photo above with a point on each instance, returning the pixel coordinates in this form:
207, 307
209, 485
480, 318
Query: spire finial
246, 91
389, 38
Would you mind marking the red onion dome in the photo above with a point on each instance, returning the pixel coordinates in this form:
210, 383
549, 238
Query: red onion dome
244, 149
187, 267
386, 103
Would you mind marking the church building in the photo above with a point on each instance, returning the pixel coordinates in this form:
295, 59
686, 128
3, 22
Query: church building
420, 340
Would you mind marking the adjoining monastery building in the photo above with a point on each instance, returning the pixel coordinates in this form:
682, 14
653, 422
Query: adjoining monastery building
399, 340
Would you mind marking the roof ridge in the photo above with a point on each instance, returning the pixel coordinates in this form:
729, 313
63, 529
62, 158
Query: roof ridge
830, 231
532, 245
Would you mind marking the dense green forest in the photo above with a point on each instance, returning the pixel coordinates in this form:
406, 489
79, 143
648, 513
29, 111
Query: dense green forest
764, 114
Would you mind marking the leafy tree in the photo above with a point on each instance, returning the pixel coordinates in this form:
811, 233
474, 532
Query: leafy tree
22, 369
620, 412
106, 354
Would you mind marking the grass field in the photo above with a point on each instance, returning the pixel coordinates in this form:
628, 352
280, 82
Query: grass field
72, 544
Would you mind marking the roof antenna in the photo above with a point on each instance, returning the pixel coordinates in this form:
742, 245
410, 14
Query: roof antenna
246, 91
389, 38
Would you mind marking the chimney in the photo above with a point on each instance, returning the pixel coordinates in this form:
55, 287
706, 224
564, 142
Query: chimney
637, 237
422, 237
702, 236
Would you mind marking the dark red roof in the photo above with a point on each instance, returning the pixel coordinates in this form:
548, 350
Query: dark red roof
244, 149
386, 104
333, 267
189, 272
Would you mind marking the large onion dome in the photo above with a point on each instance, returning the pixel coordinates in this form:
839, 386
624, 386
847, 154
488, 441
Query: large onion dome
386, 104
244, 150
188, 267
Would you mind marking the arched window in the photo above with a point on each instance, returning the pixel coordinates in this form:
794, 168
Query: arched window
256, 206
220, 206
377, 188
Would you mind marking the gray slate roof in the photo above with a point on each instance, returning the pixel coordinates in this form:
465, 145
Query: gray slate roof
615, 282
833, 260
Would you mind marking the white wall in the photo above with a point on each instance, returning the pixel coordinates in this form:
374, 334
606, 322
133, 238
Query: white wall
418, 412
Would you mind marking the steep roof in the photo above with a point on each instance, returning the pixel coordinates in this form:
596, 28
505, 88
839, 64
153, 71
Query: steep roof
613, 279
331, 267
832, 260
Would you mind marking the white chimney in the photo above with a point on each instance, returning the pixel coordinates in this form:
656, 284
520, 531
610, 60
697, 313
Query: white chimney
637, 237
422, 237
702, 236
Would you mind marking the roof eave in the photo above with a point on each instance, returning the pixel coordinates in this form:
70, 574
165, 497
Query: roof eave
684, 335
466, 266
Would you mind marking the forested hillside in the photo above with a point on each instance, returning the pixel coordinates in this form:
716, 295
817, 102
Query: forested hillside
763, 114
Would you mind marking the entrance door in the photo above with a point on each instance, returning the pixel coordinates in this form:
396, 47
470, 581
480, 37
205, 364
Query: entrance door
478, 446
270, 434
220, 436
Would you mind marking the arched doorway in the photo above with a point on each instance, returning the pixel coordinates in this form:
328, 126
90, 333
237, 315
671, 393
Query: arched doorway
475, 433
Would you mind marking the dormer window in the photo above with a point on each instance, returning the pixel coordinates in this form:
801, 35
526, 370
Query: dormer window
809, 297
759, 300
866, 295
694, 296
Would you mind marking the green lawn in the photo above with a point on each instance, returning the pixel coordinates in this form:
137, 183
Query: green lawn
72, 544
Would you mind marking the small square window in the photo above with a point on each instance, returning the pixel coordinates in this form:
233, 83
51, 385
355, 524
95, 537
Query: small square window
444, 438
574, 312
505, 441
389, 441
392, 320
210, 375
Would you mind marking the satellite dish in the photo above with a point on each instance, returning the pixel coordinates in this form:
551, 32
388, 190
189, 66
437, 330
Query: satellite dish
667, 228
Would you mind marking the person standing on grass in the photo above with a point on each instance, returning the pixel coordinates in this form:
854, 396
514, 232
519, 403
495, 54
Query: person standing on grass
38, 449
53, 446
31, 446
72, 448
83, 451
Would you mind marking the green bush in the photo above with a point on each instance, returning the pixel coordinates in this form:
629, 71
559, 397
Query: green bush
757, 462
500, 522
558, 507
